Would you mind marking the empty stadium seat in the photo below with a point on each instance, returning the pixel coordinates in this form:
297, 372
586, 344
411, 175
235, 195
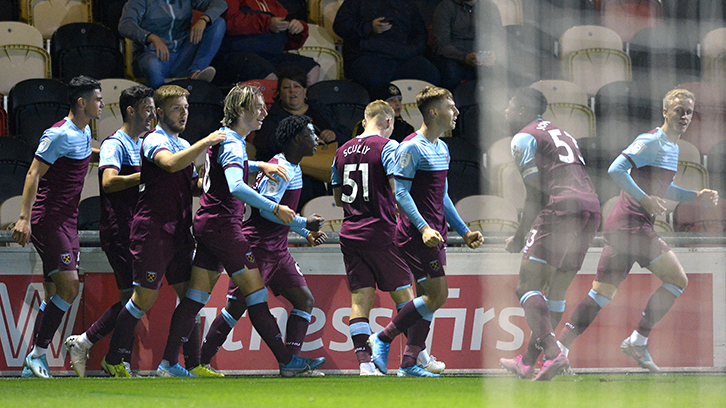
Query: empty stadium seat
627, 17
511, 186
111, 119
510, 11
623, 110
488, 213
326, 12
695, 217
91, 184
592, 56
664, 53
15, 159
86, 49
713, 52
320, 46
567, 107
687, 152
530, 53
35, 105
10, 211
345, 100
89, 214
206, 108
325, 207
48, 15
22, 55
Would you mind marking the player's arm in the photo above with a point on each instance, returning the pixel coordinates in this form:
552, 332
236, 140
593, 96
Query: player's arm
705, 196
239, 188
112, 182
269, 169
524, 152
336, 183
619, 171
173, 162
277, 188
21, 231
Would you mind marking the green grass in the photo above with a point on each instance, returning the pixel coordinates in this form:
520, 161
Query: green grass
597, 391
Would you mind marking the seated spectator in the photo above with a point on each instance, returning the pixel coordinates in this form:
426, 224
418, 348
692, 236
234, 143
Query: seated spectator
166, 44
391, 94
454, 32
291, 100
383, 40
258, 34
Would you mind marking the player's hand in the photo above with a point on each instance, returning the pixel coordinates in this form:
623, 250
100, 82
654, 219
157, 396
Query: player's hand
316, 238
214, 138
21, 232
295, 27
707, 197
380, 25
278, 24
284, 213
269, 170
314, 222
473, 239
327, 136
162, 52
197, 31
653, 205
512, 245
430, 236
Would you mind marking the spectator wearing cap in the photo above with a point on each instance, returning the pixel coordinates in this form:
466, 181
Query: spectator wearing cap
391, 94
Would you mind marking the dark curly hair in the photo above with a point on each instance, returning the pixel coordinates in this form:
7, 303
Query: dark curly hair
290, 127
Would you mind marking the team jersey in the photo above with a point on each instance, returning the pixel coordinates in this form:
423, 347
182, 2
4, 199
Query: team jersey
654, 158
119, 151
216, 198
67, 150
165, 198
426, 166
362, 168
263, 234
541, 149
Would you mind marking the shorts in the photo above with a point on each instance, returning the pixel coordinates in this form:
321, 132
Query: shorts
424, 262
367, 268
121, 261
221, 245
158, 254
622, 250
57, 246
279, 273
561, 239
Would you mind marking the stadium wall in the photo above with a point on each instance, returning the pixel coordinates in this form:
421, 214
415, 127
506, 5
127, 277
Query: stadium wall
481, 322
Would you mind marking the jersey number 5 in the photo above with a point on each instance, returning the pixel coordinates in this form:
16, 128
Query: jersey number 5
348, 181
569, 157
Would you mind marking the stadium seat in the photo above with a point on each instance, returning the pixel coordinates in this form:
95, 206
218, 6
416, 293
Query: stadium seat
325, 207
664, 53
108, 13
567, 107
320, 46
9, 10
487, 213
35, 105
110, 120
48, 15
708, 125
10, 212
15, 159
326, 12
687, 152
592, 56
465, 169
89, 213
22, 55
511, 186
498, 154
345, 100
510, 11
530, 53
409, 89
623, 110
694, 217
206, 108
716, 166
86, 49
713, 53
91, 184
466, 98
627, 17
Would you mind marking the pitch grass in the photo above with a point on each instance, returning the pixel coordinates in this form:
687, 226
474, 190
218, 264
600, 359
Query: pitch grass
597, 391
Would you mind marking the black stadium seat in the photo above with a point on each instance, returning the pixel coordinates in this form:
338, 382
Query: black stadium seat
34, 106
206, 108
86, 49
345, 100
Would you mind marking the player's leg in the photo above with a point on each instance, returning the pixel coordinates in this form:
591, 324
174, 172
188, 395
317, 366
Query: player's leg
360, 330
223, 324
303, 302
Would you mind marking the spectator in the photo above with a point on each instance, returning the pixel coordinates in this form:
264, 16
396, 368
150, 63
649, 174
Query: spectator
383, 40
391, 94
166, 44
291, 100
258, 33
454, 30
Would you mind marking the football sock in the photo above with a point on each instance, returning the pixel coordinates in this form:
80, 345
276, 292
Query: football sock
38, 320
416, 341
537, 315
659, 304
265, 324
52, 318
192, 348
360, 330
530, 357
182, 324
122, 340
411, 312
583, 315
638, 339
297, 328
219, 330
105, 324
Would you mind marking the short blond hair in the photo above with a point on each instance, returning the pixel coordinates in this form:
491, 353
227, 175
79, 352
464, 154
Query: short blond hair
239, 99
674, 94
167, 92
431, 95
378, 111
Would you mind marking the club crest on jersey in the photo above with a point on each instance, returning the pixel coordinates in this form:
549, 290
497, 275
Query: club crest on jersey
107, 151
44, 145
435, 265
517, 153
66, 258
272, 186
250, 257
404, 160
150, 276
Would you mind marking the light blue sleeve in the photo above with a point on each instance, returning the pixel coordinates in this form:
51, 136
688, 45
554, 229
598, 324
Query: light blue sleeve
334, 176
524, 150
273, 190
619, 172
643, 151
154, 143
52, 145
112, 154
680, 194
232, 153
452, 216
388, 156
404, 199
253, 165
407, 160
239, 188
